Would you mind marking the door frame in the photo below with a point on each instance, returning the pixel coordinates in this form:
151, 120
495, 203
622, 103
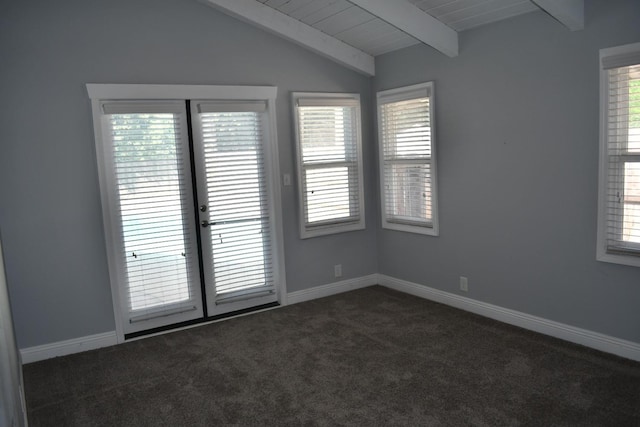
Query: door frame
102, 92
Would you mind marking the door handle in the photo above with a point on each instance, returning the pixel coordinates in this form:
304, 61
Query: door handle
206, 223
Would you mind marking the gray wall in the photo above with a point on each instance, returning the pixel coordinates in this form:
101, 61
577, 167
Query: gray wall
50, 212
517, 122
517, 116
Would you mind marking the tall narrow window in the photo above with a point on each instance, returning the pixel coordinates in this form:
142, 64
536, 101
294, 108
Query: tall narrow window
619, 198
329, 163
407, 159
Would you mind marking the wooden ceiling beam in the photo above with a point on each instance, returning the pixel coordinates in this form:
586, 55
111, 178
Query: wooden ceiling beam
414, 21
568, 12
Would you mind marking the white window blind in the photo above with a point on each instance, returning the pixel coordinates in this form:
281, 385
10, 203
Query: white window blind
407, 159
329, 163
232, 137
620, 165
148, 152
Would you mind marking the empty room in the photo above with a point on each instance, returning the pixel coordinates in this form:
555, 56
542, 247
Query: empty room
320, 212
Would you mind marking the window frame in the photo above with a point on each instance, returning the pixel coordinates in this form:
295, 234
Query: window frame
602, 252
399, 94
309, 230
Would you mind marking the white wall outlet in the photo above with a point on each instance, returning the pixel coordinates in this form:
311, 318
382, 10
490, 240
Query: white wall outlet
337, 270
464, 284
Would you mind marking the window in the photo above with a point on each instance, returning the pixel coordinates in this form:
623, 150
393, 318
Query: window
408, 159
619, 197
329, 163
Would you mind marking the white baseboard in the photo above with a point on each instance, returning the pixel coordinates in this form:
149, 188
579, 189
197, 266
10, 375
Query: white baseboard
63, 348
92, 342
332, 289
606, 343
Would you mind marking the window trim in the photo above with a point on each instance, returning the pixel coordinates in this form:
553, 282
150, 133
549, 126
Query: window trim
403, 94
603, 173
338, 226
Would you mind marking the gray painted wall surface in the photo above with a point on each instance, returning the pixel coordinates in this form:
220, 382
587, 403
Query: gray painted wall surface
518, 127
50, 212
517, 116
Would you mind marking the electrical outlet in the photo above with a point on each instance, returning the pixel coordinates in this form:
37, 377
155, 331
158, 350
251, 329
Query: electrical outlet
286, 179
337, 270
464, 284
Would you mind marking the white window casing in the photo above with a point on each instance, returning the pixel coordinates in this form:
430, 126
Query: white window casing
329, 163
619, 175
407, 159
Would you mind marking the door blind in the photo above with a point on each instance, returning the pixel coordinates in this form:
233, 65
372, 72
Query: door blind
239, 229
623, 158
406, 142
149, 155
329, 160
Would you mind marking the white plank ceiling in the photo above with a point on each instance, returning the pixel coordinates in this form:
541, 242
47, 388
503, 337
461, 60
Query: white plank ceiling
363, 29
346, 22
359, 28
465, 14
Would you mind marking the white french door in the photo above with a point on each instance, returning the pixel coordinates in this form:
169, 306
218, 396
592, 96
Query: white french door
234, 211
154, 251
188, 199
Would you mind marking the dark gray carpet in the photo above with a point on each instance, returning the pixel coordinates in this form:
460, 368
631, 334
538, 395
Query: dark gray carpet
367, 357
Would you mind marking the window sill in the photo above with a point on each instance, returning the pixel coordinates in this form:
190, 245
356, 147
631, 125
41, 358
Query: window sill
306, 233
632, 261
428, 231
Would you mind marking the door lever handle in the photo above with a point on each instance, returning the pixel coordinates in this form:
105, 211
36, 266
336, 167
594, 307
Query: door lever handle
206, 223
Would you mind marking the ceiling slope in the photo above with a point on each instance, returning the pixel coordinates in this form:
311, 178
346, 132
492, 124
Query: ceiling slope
352, 32
296, 31
568, 12
466, 14
413, 21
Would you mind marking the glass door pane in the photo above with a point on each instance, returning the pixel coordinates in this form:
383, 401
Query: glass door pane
158, 252
235, 225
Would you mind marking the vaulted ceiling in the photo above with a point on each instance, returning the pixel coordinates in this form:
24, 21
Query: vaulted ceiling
353, 32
